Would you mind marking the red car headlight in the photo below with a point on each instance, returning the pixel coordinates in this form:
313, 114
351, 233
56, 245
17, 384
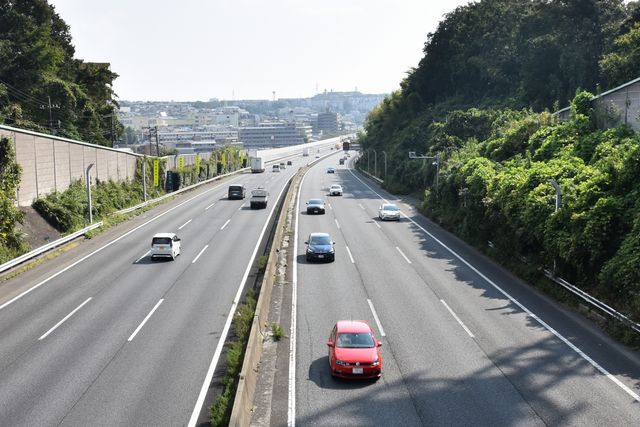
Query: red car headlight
375, 362
340, 362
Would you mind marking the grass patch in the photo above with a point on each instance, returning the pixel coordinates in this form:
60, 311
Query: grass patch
277, 331
262, 263
220, 410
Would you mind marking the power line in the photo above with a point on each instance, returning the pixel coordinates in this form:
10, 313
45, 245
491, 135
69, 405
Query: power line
25, 94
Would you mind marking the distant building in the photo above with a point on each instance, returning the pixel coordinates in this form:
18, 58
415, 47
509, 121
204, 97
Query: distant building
273, 135
620, 105
326, 123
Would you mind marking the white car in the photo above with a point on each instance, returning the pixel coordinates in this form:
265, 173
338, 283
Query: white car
335, 190
165, 245
389, 211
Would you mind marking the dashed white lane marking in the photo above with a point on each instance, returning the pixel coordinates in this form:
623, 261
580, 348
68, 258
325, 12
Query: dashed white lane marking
361, 207
377, 225
534, 316
330, 207
457, 318
133, 335
337, 224
198, 256
145, 254
64, 320
350, 256
403, 255
225, 224
375, 317
185, 224
207, 208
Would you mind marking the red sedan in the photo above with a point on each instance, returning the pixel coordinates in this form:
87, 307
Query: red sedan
354, 351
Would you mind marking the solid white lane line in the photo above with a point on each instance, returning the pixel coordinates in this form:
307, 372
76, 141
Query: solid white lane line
291, 408
225, 330
351, 257
63, 320
145, 254
376, 223
207, 208
375, 316
185, 224
330, 207
544, 324
106, 246
337, 224
198, 256
455, 316
403, 255
133, 335
225, 224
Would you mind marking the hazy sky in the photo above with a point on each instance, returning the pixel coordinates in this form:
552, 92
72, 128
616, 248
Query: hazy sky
245, 49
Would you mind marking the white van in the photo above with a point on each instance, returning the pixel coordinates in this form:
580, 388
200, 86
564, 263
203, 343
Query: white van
165, 245
275, 168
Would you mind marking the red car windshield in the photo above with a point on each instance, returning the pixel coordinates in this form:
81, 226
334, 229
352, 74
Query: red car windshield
353, 340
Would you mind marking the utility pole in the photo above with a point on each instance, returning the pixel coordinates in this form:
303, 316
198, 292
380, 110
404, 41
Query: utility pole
50, 116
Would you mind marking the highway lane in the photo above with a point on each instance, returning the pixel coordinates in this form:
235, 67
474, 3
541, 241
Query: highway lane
458, 348
92, 369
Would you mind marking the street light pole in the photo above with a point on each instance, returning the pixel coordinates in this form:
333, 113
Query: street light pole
413, 155
88, 179
558, 206
385, 164
375, 163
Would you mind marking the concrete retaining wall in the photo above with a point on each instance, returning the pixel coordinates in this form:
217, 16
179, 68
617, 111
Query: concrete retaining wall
50, 163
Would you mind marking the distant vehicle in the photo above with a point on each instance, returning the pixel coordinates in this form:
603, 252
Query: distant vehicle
165, 245
346, 145
317, 157
331, 170
257, 165
315, 206
282, 166
389, 211
305, 152
289, 162
237, 191
335, 190
259, 198
341, 161
354, 350
275, 168
320, 247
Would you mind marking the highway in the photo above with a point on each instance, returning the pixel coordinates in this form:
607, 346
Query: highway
104, 336
464, 341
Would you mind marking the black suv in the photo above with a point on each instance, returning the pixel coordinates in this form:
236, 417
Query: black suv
236, 191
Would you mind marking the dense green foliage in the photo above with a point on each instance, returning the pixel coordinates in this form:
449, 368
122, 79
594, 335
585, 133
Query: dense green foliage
11, 242
478, 99
42, 86
67, 211
220, 410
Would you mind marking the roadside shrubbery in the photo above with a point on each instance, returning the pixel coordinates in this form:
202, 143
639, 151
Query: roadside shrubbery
221, 409
11, 241
67, 210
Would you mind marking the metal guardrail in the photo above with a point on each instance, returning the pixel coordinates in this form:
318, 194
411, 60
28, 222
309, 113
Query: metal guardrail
45, 248
593, 301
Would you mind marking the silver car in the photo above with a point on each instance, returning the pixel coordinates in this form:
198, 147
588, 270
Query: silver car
389, 211
165, 245
335, 190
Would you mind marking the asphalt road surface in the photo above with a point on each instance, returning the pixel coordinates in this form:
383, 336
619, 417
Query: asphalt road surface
464, 341
105, 336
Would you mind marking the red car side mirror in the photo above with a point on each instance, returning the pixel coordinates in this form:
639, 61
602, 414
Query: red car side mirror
330, 343
379, 343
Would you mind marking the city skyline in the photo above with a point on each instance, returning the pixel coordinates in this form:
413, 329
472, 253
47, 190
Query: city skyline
249, 49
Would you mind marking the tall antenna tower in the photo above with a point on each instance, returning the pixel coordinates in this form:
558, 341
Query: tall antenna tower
274, 95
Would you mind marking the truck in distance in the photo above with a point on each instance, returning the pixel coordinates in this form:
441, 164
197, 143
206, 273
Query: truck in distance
259, 197
305, 152
257, 165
